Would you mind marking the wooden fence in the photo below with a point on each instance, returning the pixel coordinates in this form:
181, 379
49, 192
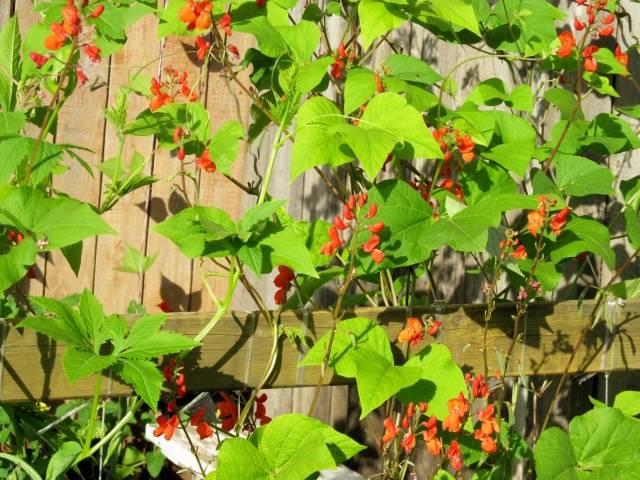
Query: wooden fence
234, 354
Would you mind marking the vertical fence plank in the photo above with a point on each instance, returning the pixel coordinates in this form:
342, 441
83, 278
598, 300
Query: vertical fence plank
169, 280
129, 216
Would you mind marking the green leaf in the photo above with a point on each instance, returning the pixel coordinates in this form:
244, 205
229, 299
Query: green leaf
135, 261
73, 255
15, 261
627, 289
59, 222
441, 380
145, 340
199, 231
376, 19
62, 460
554, 456
155, 462
258, 214
388, 121
456, 12
631, 110
78, 364
63, 326
488, 92
315, 144
143, 376
13, 150
225, 145
351, 336
411, 69
608, 134
296, 446
600, 84
564, 100
359, 87
628, 402
580, 177
598, 446
584, 235
307, 286
378, 379
239, 458
302, 40
521, 98
9, 63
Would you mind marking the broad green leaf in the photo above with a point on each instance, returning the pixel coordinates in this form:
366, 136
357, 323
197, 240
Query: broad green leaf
62, 460
62, 326
58, 222
199, 231
15, 261
524, 26
315, 144
13, 150
9, 63
376, 19
632, 110
11, 123
239, 458
608, 63
302, 40
388, 121
521, 98
564, 100
456, 12
378, 379
351, 336
307, 286
579, 177
488, 92
601, 440
627, 289
608, 134
628, 402
78, 364
584, 235
554, 456
225, 145
440, 381
143, 376
258, 214
359, 87
410, 69
145, 339
600, 84
296, 446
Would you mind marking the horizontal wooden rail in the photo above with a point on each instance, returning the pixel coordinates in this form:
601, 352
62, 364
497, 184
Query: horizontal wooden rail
235, 353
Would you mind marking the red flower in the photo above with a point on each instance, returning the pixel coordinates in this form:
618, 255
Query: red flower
203, 48
559, 220
71, 19
487, 443
433, 443
196, 15
377, 256
339, 223
233, 50
166, 426
458, 410
202, 427
379, 84
373, 211
466, 146
38, 59
283, 282
376, 227
489, 423
391, 431
433, 327
520, 253
97, 12
535, 222
479, 388
225, 24
261, 3
168, 370
408, 443
455, 456
622, 57
606, 31
261, 410
338, 66
578, 25
227, 412
567, 42
92, 52
590, 64
413, 332
82, 78
198, 417
55, 41
371, 244
205, 163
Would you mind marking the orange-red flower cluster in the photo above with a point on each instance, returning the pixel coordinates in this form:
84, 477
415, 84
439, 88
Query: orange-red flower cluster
559, 220
458, 411
351, 211
590, 64
227, 412
340, 62
202, 427
489, 426
166, 426
261, 410
197, 15
225, 24
536, 218
454, 454
203, 47
567, 42
70, 27
165, 92
204, 162
284, 281
430, 436
409, 424
451, 139
413, 332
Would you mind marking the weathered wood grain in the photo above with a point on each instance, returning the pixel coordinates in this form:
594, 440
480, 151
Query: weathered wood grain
234, 354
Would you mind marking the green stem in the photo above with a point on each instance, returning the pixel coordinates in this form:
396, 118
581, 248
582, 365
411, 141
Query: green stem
28, 469
94, 414
277, 143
